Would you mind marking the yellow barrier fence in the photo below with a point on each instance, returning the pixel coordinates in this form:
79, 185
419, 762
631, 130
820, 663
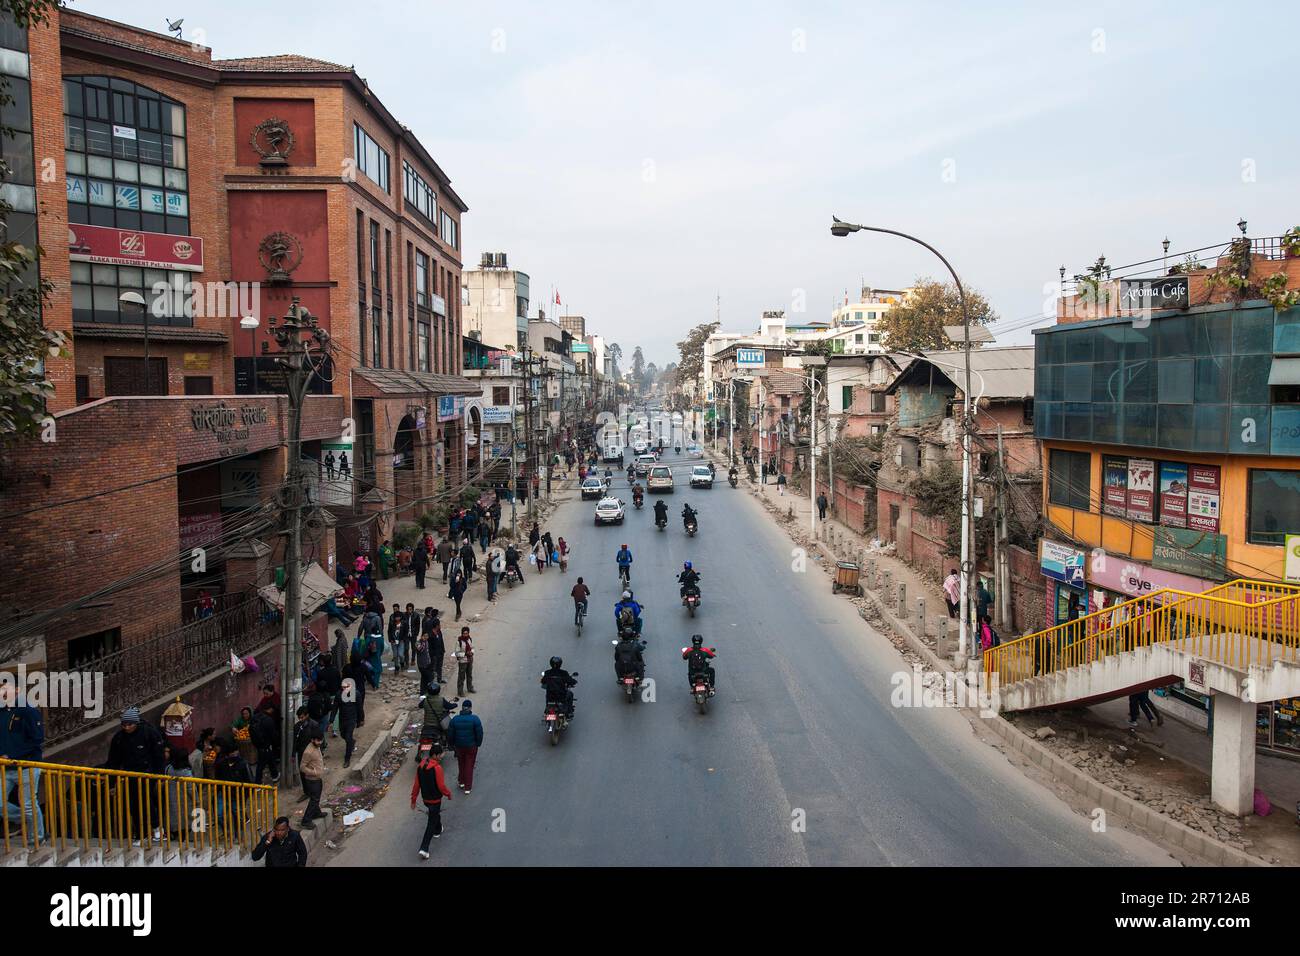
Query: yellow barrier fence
1239, 623
88, 808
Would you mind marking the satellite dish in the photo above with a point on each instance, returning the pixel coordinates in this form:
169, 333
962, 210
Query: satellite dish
174, 27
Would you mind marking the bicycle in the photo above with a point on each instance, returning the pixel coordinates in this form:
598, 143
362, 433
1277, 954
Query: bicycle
625, 575
580, 615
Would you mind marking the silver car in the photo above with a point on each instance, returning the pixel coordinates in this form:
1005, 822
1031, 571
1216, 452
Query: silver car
609, 511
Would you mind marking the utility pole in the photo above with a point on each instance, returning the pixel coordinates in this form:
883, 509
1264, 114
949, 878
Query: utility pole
812, 451
1001, 560
731, 420
296, 359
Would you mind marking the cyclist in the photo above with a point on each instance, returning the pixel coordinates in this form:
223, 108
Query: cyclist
580, 593
624, 559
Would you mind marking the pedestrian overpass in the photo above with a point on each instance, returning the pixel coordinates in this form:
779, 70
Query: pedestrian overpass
97, 817
1239, 642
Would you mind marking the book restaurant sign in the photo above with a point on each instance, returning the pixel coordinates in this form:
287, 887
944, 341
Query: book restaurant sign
228, 425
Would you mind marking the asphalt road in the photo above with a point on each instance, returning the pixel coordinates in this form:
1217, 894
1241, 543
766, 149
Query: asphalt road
801, 728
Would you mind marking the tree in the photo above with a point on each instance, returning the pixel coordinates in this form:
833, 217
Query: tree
691, 353
918, 322
25, 343
638, 368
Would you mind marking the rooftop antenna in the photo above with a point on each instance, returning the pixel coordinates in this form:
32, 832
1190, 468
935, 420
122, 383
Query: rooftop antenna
174, 27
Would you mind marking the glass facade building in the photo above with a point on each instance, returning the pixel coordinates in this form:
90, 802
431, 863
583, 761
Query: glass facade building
1194, 381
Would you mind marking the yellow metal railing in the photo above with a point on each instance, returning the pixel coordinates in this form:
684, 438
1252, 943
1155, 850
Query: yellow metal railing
88, 807
1239, 623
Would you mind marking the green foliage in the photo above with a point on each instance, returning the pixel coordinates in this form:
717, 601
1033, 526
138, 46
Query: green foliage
690, 365
406, 535
436, 517
918, 322
25, 343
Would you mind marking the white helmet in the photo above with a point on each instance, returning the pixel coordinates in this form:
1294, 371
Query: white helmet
627, 595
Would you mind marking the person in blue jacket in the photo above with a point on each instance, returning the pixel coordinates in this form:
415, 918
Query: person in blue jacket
627, 604
465, 734
22, 737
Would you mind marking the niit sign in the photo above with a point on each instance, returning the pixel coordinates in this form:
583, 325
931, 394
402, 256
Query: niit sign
1167, 292
750, 358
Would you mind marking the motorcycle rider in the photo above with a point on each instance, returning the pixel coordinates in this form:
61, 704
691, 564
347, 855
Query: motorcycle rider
689, 516
689, 578
637, 493
437, 709
624, 559
661, 512
630, 606
557, 682
628, 656
697, 658
733, 475
512, 561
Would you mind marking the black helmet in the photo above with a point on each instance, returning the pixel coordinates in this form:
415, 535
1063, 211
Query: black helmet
435, 688
556, 662
697, 640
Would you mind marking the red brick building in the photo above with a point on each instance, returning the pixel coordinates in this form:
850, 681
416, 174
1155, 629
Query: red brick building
196, 193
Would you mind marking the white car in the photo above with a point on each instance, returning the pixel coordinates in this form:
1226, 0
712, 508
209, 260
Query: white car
660, 479
609, 511
593, 487
640, 447
701, 477
694, 451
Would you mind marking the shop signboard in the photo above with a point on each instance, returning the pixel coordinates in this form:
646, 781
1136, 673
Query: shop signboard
1115, 573
1141, 489
450, 407
1173, 494
1060, 562
1115, 487
1187, 551
1292, 572
497, 414
134, 247
200, 529
1203, 498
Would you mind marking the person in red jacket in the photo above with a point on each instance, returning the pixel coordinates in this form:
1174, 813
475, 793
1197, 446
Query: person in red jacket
431, 787
698, 661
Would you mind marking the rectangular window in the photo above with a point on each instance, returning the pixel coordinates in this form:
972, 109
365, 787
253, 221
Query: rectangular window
500, 394
419, 193
1069, 480
361, 338
877, 401
372, 159
361, 246
374, 254
422, 345
846, 397
421, 280
448, 231
376, 340
1273, 509
198, 384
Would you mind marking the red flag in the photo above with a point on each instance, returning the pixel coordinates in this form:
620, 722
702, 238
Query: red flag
557, 296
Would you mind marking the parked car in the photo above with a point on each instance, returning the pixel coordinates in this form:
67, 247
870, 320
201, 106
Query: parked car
660, 479
609, 511
701, 477
593, 487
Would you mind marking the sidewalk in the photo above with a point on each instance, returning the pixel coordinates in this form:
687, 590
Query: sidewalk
1165, 769
392, 721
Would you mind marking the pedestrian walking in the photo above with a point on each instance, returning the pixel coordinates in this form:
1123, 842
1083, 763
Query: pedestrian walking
485, 534
312, 768
397, 636
430, 787
550, 549
465, 733
534, 535
444, 556
821, 506
464, 664
387, 558
349, 711
780, 484
493, 567
431, 629
468, 561
1142, 700
22, 737
457, 591
983, 599
355, 671
539, 555
952, 592
420, 565
265, 733
281, 846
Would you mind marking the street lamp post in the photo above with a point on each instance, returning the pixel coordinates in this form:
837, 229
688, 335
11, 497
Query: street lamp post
136, 301
251, 322
813, 361
841, 229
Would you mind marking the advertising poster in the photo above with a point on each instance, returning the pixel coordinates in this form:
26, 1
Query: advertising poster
334, 481
1141, 489
1173, 495
1203, 498
1115, 487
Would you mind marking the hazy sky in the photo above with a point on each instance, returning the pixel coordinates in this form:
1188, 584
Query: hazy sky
645, 158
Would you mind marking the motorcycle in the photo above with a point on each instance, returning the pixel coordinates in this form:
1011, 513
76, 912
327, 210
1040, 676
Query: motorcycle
692, 599
629, 682
512, 576
701, 691
661, 523
636, 501
556, 720
691, 526
733, 479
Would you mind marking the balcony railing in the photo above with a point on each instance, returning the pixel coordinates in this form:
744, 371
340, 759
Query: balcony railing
164, 662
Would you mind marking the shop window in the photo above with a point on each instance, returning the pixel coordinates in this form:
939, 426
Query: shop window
198, 384
125, 375
1273, 509
1069, 479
